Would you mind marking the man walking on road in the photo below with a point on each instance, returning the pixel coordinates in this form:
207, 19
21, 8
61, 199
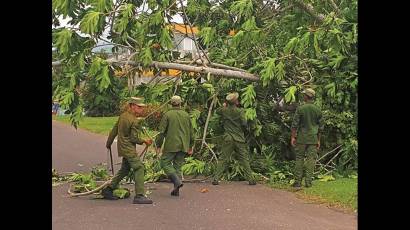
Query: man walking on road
176, 128
306, 123
234, 124
128, 128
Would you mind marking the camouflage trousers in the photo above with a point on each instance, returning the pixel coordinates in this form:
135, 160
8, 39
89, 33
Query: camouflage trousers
305, 162
129, 163
238, 150
172, 162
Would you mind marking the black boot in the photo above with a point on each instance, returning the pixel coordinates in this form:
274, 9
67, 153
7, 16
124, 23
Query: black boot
252, 182
177, 184
215, 182
107, 193
296, 185
141, 199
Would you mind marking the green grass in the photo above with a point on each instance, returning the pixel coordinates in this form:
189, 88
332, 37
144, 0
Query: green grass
101, 125
340, 193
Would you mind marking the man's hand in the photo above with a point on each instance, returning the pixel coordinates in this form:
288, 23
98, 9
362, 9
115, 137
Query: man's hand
318, 145
224, 104
190, 151
148, 142
158, 150
293, 141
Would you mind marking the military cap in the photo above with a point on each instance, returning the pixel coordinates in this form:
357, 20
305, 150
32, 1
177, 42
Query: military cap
136, 100
232, 96
310, 92
176, 100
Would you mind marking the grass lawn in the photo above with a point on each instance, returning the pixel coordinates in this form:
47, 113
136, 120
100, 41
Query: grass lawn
101, 125
340, 193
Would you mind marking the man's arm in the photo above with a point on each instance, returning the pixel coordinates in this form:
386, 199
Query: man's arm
112, 135
320, 124
162, 129
135, 137
191, 137
295, 126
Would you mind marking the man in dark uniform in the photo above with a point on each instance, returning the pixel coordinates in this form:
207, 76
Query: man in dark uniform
128, 128
305, 138
176, 128
234, 124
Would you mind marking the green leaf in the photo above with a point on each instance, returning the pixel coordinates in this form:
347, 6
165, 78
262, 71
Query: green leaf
157, 18
243, 8
146, 55
316, 44
236, 40
250, 114
73, 81
121, 24
248, 96
81, 61
121, 193
280, 71
250, 25
104, 79
336, 61
165, 39
291, 45
304, 42
66, 7
327, 178
331, 89
68, 98
268, 72
290, 94
64, 41
208, 35
89, 24
102, 5
95, 66
75, 120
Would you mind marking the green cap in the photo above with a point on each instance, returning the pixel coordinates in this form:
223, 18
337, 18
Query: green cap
232, 96
310, 92
137, 100
176, 100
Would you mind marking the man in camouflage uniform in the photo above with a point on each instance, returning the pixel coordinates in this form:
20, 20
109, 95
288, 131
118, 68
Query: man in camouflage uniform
176, 128
234, 124
305, 138
128, 128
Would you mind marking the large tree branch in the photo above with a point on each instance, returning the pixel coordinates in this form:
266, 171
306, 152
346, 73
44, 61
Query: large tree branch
196, 69
187, 68
213, 64
309, 9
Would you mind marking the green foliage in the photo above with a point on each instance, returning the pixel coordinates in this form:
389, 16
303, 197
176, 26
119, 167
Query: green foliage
89, 24
248, 96
325, 178
99, 172
268, 71
193, 166
63, 41
290, 94
165, 39
243, 8
121, 193
208, 35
